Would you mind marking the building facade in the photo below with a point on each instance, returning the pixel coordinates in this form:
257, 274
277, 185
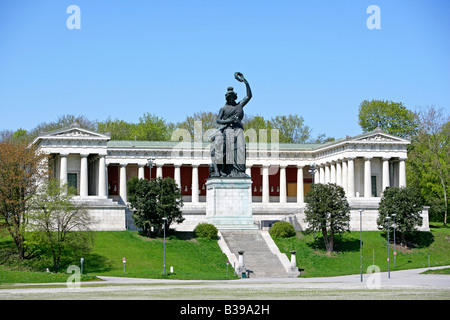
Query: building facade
282, 174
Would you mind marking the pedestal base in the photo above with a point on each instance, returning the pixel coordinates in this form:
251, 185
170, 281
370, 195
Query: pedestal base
229, 203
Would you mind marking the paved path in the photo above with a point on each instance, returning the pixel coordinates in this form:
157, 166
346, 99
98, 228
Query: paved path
406, 284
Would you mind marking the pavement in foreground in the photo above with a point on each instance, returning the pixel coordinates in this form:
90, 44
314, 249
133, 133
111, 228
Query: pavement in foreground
401, 285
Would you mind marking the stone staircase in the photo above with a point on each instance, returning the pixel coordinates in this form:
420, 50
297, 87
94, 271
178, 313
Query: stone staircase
258, 257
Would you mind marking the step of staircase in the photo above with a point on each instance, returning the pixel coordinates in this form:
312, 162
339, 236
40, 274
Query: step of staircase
258, 258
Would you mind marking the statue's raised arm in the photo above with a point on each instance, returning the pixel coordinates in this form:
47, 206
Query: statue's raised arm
240, 77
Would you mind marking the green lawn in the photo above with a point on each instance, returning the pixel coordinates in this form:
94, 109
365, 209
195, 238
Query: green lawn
313, 261
191, 259
202, 259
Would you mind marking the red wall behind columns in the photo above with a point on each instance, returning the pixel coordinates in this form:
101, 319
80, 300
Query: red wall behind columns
203, 174
186, 180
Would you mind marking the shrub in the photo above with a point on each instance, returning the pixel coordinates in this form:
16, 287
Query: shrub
282, 229
206, 230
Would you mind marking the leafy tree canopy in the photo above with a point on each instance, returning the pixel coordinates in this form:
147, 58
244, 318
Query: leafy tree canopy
406, 203
328, 211
154, 200
391, 117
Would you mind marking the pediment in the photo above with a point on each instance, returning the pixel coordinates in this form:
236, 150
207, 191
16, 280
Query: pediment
72, 133
378, 136
76, 133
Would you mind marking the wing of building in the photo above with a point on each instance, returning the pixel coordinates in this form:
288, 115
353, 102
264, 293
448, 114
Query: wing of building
282, 174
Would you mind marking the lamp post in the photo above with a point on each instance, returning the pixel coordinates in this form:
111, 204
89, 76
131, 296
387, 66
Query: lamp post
150, 165
395, 252
360, 242
388, 259
164, 220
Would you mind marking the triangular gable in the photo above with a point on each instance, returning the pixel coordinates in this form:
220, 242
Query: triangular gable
73, 132
378, 135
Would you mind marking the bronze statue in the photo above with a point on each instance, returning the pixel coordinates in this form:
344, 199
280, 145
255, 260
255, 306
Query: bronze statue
228, 150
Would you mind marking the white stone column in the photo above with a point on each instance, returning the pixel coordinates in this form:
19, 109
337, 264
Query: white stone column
177, 175
386, 182
141, 172
333, 172
367, 178
327, 173
402, 173
345, 176
159, 173
283, 195
300, 196
123, 182
265, 184
351, 177
106, 179
316, 175
195, 183
248, 171
84, 175
63, 169
101, 176
339, 173
322, 173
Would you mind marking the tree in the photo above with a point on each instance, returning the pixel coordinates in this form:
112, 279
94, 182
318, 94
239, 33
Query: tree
152, 128
154, 200
56, 221
391, 117
328, 211
406, 204
429, 159
118, 129
63, 121
207, 119
22, 168
291, 129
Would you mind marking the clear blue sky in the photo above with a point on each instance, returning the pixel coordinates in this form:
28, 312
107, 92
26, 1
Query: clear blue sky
172, 58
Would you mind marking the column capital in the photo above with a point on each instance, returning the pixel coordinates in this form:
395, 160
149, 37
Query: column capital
123, 164
84, 155
368, 157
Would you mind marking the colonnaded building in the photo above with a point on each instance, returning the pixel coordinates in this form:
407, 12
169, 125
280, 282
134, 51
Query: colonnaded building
282, 174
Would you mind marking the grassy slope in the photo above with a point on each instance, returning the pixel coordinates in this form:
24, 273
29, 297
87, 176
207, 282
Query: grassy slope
313, 260
203, 259
191, 258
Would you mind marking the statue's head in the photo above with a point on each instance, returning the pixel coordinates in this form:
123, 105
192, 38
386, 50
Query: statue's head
230, 96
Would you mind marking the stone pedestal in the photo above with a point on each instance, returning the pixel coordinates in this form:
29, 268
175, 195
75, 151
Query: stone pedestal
229, 204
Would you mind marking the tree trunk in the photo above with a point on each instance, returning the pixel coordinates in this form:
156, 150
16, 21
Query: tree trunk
326, 240
331, 240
